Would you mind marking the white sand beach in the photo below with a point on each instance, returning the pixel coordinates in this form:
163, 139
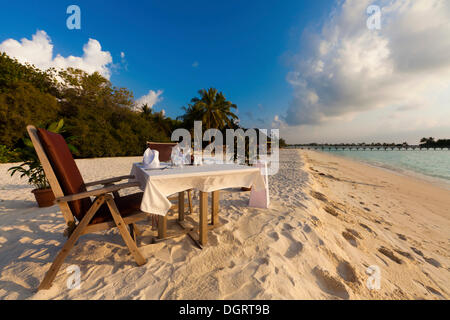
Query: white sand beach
329, 220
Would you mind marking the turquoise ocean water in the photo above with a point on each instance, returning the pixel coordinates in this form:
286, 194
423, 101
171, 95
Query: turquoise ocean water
431, 165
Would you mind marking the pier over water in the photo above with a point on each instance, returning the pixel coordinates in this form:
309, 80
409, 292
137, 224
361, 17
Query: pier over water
355, 147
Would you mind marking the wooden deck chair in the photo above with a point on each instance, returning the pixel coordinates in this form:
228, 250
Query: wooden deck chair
83, 215
165, 152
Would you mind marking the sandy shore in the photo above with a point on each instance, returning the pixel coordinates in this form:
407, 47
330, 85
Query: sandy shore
330, 219
396, 222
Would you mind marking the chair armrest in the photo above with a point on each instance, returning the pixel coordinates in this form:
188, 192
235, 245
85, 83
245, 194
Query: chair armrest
108, 181
97, 192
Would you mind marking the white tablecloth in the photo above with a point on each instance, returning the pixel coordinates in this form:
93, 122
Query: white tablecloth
160, 184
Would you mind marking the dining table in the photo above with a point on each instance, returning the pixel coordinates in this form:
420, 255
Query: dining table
166, 180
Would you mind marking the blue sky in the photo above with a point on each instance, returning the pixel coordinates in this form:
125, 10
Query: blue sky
313, 69
238, 45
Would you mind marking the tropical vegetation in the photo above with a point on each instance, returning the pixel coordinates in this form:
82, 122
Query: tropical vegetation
31, 166
212, 108
424, 143
433, 143
104, 119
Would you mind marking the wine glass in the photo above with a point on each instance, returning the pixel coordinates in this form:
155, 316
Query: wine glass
186, 155
175, 156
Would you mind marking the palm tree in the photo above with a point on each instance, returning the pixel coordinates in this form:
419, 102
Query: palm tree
212, 108
191, 113
427, 141
161, 121
224, 116
146, 111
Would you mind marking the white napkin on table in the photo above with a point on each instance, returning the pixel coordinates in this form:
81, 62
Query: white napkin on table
151, 158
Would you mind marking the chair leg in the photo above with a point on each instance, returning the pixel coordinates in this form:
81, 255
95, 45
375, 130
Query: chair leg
57, 263
132, 234
116, 194
136, 230
140, 260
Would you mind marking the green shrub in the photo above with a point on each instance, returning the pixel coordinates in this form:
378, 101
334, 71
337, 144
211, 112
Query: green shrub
98, 115
7, 155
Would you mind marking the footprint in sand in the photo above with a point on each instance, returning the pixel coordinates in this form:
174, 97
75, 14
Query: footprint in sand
350, 238
401, 236
331, 210
315, 221
366, 227
294, 249
404, 253
355, 233
328, 176
330, 284
388, 253
307, 228
433, 262
287, 227
319, 196
417, 251
346, 271
434, 291
274, 235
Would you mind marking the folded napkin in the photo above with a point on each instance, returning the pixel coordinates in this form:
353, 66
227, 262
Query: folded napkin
151, 158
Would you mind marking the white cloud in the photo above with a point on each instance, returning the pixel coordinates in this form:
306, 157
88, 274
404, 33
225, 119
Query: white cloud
347, 69
278, 123
151, 98
195, 64
39, 52
123, 63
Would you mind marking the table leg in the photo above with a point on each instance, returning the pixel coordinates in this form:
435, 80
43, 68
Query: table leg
190, 201
162, 227
203, 229
181, 206
215, 208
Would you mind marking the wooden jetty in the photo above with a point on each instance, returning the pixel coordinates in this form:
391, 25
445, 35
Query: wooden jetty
337, 147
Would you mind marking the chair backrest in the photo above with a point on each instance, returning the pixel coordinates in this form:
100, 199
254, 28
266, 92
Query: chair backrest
164, 149
60, 169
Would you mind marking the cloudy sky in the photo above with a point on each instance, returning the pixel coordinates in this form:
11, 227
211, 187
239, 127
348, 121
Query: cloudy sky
321, 71
389, 83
